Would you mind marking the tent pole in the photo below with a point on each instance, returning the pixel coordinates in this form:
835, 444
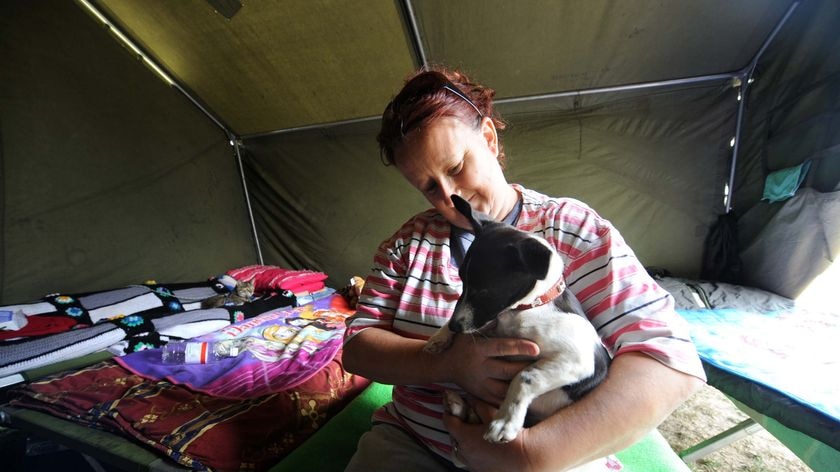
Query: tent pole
736, 141
415, 32
415, 35
202, 108
746, 78
622, 88
236, 145
318, 126
152, 64
619, 88
144, 57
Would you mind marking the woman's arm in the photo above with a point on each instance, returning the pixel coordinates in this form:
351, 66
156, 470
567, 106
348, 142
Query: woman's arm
638, 394
472, 363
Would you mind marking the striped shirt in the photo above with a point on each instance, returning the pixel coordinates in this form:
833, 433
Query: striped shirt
414, 285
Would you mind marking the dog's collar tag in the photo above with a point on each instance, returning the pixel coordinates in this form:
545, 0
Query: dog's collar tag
548, 296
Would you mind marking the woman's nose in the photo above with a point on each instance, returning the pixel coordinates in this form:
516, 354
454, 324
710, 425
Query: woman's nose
448, 188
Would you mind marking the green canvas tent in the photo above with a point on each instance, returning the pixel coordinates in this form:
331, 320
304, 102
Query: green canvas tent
263, 145
174, 140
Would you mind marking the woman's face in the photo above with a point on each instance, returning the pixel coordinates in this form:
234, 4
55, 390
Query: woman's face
449, 157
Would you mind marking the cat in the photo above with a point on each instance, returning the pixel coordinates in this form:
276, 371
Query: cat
242, 293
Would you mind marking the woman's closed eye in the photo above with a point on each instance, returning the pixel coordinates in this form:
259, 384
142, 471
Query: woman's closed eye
455, 170
431, 188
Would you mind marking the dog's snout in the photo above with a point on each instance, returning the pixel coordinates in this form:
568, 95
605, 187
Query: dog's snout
462, 318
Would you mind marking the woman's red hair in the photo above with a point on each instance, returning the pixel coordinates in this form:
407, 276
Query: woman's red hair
424, 98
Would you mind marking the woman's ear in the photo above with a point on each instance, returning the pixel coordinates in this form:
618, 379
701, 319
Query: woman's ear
488, 132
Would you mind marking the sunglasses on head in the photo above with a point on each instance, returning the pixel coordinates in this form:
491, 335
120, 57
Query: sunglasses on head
424, 86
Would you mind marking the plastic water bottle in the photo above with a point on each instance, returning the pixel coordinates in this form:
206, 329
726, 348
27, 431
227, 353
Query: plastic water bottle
198, 352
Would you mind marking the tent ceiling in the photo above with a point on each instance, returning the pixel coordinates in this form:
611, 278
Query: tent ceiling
543, 46
279, 64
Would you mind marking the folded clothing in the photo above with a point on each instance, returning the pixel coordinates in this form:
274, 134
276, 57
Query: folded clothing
40, 326
783, 184
269, 279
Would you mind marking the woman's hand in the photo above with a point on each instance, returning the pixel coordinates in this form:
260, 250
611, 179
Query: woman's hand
472, 363
479, 454
638, 393
480, 367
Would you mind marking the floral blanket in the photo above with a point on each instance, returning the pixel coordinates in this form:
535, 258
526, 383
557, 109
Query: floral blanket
195, 430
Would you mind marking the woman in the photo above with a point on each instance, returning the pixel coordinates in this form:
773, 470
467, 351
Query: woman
440, 132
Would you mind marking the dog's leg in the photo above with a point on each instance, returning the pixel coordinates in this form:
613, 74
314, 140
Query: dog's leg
543, 376
440, 340
456, 406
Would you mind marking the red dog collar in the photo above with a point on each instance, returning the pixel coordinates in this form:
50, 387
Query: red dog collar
548, 296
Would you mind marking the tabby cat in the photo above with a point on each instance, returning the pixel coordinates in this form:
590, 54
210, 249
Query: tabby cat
241, 293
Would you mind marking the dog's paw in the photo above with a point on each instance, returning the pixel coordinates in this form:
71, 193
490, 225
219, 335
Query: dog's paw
439, 342
455, 405
435, 346
501, 431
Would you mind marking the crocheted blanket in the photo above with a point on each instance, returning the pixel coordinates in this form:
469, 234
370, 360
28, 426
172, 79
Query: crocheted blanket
127, 319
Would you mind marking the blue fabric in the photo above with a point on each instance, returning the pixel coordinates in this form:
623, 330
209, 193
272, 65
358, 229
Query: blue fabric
783, 184
793, 352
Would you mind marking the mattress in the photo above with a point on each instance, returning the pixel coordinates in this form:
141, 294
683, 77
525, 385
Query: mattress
774, 359
783, 364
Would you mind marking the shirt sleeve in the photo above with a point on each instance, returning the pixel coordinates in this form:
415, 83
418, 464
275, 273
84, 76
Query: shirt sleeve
629, 310
381, 293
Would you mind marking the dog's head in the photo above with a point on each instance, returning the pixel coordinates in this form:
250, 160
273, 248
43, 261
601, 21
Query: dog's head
504, 267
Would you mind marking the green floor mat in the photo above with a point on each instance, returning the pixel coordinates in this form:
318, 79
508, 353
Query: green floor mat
331, 448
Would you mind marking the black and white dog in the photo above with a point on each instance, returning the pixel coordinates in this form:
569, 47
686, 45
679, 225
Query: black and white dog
514, 287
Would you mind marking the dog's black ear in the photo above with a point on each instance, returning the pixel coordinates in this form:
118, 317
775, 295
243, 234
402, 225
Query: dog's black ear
533, 256
476, 218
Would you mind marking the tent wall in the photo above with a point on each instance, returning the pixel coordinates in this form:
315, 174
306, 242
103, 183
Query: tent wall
323, 200
793, 116
653, 164
109, 176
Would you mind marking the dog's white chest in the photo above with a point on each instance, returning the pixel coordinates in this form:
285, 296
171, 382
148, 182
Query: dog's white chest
551, 329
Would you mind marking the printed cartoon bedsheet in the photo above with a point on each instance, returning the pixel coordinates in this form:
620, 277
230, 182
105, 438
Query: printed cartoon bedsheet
279, 350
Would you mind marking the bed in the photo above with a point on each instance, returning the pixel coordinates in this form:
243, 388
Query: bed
85, 370
775, 360
98, 387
